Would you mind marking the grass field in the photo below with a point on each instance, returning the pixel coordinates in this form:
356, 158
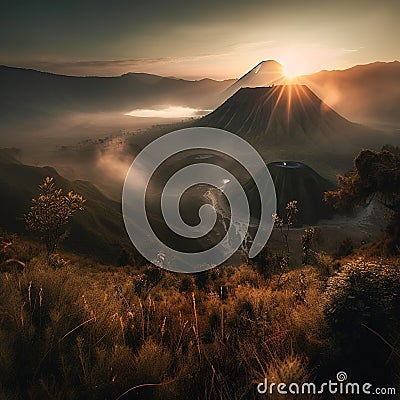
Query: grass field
74, 329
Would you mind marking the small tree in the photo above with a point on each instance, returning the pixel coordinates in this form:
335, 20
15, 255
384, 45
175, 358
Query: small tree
291, 212
268, 263
50, 213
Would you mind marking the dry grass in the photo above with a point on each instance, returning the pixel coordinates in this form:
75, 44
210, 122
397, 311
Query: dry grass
84, 331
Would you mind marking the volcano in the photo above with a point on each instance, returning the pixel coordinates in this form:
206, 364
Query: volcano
289, 118
296, 181
265, 73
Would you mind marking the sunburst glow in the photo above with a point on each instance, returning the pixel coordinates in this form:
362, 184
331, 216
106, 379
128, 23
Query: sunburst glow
301, 59
291, 70
286, 94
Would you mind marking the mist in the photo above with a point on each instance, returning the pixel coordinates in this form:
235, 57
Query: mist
366, 94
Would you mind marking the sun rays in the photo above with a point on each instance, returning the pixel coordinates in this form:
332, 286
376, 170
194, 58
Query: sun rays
288, 95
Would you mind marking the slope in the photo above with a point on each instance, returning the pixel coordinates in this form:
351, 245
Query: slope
366, 93
26, 92
98, 231
265, 73
283, 115
297, 181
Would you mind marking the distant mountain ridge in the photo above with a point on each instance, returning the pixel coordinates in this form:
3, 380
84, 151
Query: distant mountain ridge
368, 93
363, 93
25, 92
291, 122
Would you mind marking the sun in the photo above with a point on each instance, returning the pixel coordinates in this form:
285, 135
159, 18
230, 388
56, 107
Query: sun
296, 64
291, 70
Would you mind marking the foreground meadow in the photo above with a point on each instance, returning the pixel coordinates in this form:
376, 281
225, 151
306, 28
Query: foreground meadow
74, 329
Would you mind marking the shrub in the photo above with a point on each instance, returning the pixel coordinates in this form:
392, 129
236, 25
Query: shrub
293, 368
325, 263
51, 212
152, 363
361, 306
307, 239
363, 293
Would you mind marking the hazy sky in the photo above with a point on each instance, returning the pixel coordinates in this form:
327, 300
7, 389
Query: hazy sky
195, 39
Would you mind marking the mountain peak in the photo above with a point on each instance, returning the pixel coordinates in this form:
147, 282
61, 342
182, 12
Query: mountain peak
280, 115
268, 66
265, 73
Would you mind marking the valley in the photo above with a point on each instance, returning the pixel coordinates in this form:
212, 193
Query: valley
86, 139
199, 200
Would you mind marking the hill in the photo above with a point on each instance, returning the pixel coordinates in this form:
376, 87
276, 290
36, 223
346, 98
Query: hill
98, 231
291, 122
297, 181
365, 93
368, 93
283, 115
25, 92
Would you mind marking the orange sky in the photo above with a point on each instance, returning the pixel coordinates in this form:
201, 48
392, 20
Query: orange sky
192, 39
